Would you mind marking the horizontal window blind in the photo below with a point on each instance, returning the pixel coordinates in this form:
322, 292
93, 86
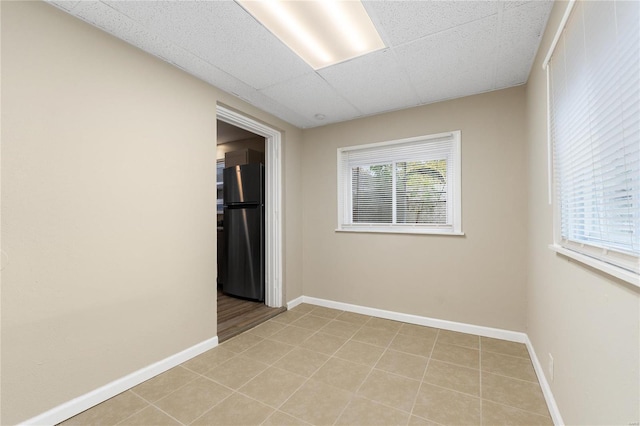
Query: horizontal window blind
594, 77
422, 192
408, 184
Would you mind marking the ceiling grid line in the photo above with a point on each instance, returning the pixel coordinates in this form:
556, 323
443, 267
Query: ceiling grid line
435, 50
498, 44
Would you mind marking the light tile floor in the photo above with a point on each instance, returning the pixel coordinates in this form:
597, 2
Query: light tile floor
320, 366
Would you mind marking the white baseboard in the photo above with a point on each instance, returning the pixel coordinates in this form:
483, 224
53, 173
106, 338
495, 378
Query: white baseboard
544, 385
512, 336
77, 405
295, 302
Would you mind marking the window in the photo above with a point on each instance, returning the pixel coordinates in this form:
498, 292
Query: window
409, 185
593, 71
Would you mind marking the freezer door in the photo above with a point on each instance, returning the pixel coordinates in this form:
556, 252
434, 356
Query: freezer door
244, 184
244, 240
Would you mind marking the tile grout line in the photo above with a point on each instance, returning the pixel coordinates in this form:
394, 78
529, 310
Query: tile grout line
422, 382
386, 349
357, 328
424, 374
332, 355
174, 390
286, 414
164, 412
511, 377
355, 393
234, 391
201, 375
153, 403
478, 369
482, 398
509, 355
307, 379
235, 355
214, 406
150, 406
447, 389
237, 391
132, 414
324, 363
519, 409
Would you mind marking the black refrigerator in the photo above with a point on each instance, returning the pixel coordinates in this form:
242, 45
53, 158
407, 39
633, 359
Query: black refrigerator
243, 196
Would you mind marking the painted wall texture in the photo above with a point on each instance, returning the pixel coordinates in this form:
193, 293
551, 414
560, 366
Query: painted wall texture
478, 278
589, 321
108, 208
108, 220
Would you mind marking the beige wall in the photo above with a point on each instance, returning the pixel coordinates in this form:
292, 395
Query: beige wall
108, 208
478, 278
588, 321
108, 222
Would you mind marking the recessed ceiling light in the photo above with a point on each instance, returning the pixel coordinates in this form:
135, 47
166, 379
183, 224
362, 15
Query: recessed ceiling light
322, 32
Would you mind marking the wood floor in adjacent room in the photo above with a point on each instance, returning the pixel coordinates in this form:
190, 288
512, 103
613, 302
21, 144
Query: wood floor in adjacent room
238, 315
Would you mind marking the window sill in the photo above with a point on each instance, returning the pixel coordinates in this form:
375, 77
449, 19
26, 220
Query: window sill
402, 231
607, 268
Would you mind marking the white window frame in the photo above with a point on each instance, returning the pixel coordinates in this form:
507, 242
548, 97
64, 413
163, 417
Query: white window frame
454, 189
620, 265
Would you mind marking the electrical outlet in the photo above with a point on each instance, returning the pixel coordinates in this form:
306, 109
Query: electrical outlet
550, 367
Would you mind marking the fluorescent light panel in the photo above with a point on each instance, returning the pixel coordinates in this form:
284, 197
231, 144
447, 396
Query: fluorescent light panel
323, 32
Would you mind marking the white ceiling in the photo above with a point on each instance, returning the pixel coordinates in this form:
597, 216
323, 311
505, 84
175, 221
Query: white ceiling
436, 50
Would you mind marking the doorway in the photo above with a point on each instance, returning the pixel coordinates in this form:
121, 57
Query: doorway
240, 137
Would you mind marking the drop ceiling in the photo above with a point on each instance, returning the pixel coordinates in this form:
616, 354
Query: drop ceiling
436, 50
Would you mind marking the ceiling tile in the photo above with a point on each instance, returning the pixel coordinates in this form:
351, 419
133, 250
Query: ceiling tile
465, 87
372, 83
461, 57
222, 33
311, 95
437, 50
216, 77
404, 21
154, 15
520, 35
509, 4
281, 110
105, 17
209, 73
133, 32
514, 72
67, 5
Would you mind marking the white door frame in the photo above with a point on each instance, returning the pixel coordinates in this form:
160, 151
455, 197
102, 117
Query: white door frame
273, 200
